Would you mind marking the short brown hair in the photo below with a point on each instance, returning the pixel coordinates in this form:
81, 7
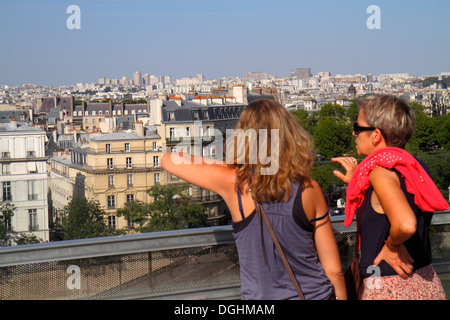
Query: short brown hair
392, 116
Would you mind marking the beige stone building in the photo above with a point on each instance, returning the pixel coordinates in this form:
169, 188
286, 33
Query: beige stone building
114, 169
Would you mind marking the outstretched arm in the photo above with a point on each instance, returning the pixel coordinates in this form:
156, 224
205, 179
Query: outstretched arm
203, 172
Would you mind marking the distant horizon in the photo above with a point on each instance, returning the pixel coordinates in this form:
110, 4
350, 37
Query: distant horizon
220, 77
50, 43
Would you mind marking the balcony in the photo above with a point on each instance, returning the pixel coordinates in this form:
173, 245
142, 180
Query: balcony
192, 264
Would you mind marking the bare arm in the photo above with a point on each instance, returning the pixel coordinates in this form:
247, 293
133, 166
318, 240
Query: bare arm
210, 175
199, 171
401, 218
315, 206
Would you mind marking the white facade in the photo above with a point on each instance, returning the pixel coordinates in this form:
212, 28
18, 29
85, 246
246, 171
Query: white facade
23, 178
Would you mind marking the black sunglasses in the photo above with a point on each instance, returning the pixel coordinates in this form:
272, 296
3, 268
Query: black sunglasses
357, 129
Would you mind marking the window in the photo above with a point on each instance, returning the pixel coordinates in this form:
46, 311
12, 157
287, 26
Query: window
127, 147
172, 133
33, 226
112, 221
129, 165
7, 194
188, 131
108, 148
31, 154
130, 197
129, 180
171, 116
6, 155
110, 181
6, 169
111, 202
155, 146
156, 161
110, 164
157, 179
32, 190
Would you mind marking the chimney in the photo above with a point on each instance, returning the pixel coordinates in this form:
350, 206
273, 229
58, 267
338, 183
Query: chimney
139, 128
240, 93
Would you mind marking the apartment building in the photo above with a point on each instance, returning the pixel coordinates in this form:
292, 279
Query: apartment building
197, 125
115, 168
23, 178
91, 116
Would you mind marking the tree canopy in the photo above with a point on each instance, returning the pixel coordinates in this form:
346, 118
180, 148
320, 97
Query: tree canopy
85, 218
331, 129
171, 209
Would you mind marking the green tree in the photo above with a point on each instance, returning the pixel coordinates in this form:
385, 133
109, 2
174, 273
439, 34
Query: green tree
335, 111
332, 138
442, 127
6, 213
171, 209
429, 132
85, 219
352, 112
307, 121
134, 212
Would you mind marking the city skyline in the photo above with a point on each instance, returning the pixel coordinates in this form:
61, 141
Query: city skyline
218, 39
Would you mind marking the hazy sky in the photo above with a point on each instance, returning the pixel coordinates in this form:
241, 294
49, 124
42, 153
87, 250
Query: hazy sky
218, 38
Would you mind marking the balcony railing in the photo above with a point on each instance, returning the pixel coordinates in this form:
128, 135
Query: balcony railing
183, 264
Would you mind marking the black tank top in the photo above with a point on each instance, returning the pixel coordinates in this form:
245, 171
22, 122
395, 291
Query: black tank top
375, 230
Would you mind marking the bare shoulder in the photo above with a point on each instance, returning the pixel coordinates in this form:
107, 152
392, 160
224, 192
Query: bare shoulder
313, 201
312, 189
381, 175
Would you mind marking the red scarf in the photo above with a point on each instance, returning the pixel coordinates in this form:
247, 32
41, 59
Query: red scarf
426, 195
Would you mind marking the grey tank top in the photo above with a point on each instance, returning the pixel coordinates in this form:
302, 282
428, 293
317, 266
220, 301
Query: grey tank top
267, 279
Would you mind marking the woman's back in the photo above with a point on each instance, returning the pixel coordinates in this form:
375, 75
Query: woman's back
263, 274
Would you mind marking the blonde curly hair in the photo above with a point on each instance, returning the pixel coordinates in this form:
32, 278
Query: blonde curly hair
270, 126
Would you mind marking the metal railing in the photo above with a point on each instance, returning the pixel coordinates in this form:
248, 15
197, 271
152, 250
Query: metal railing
183, 264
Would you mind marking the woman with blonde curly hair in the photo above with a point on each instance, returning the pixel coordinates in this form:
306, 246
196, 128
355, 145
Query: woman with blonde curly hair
268, 160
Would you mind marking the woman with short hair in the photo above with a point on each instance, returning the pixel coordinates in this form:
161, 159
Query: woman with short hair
396, 198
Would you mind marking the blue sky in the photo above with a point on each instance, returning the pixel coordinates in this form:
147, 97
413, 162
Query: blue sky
218, 38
